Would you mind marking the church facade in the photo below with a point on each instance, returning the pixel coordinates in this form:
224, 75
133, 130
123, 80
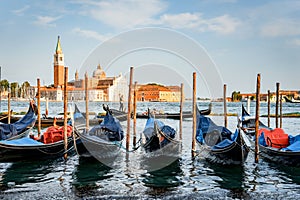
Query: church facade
100, 87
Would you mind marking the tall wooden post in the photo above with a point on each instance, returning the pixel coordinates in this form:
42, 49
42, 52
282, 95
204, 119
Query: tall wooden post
277, 103
86, 79
129, 109
280, 111
65, 112
134, 112
225, 106
39, 105
181, 111
257, 118
47, 111
269, 107
8, 107
194, 115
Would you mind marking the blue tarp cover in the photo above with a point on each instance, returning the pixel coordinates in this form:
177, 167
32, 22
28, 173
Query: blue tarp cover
113, 125
294, 143
22, 142
9, 130
206, 125
149, 127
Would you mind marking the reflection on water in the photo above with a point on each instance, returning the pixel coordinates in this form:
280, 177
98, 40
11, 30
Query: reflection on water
231, 178
89, 171
164, 178
20, 173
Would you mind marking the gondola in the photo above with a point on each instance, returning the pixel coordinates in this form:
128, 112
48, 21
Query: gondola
175, 116
21, 127
274, 144
291, 100
218, 144
49, 145
102, 141
161, 146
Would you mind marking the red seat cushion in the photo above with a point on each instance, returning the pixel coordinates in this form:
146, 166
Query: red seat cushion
276, 138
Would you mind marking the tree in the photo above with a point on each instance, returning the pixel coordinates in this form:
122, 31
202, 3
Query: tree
236, 96
24, 89
14, 89
4, 84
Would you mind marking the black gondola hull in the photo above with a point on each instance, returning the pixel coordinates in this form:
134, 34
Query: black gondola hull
9, 153
234, 154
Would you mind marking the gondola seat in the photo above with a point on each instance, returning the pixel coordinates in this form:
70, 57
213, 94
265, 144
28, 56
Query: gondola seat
276, 138
212, 138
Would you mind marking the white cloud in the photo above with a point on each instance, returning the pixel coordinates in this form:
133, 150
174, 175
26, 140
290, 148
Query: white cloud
281, 27
122, 14
21, 11
294, 42
90, 34
46, 21
126, 14
182, 20
223, 24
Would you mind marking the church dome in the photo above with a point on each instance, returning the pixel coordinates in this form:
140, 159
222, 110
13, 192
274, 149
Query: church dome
99, 73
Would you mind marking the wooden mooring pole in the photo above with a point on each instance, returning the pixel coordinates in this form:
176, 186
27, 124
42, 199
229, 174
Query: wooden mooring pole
65, 112
39, 106
8, 107
86, 80
129, 109
181, 111
194, 116
277, 104
257, 118
280, 111
134, 113
225, 106
269, 107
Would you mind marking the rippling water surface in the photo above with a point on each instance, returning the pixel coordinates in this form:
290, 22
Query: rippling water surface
186, 178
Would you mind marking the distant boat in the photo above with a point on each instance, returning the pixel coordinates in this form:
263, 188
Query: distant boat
292, 100
176, 116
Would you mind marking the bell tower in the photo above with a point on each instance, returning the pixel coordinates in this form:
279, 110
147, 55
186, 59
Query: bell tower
58, 65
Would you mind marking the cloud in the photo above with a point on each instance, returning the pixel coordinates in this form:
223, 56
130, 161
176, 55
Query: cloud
46, 21
281, 27
222, 24
122, 14
294, 42
126, 14
21, 11
90, 34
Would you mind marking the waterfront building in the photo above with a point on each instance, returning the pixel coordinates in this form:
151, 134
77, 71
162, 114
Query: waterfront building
100, 87
155, 92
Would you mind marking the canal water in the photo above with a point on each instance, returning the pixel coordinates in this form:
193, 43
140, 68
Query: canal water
186, 178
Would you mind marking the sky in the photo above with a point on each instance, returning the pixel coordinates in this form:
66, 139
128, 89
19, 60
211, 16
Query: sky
242, 38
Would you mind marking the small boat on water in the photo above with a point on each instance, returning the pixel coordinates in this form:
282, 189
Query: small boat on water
292, 100
274, 144
161, 146
176, 116
49, 145
103, 141
218, 144
21, 127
